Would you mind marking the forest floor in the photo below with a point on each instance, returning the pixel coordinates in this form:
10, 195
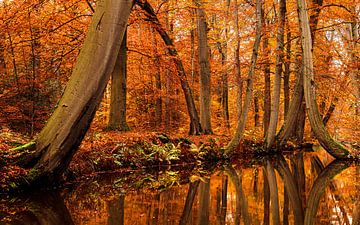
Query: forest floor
105, 151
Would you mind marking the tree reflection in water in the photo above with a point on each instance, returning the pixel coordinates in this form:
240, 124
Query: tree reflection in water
233, 195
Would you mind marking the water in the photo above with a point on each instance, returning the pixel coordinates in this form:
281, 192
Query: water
250, 192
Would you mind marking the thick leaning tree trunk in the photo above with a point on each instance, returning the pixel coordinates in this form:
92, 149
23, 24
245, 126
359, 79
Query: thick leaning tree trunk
117, 118
205, 82
240, 128
327, 142
63, 133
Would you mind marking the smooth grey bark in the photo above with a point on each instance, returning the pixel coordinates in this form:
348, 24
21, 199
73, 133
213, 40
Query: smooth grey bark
117, 117
275, 101
63, 133
195, 125
205, 73
326, 141
240, 128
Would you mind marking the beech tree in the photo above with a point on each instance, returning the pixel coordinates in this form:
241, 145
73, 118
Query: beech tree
195, 125
275, 102
327, 142
205, 85
60, 138
117, 118
240, 128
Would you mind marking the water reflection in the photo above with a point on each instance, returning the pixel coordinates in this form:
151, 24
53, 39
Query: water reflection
297, 189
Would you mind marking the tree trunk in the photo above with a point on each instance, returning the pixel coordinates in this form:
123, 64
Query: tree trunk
256, 111
195, 126
355, 73
158, 84
327, 142
117, 117
295, 119
267, 81
275, 101
287, 72
205, 82
239, 82
60, 138
235, 141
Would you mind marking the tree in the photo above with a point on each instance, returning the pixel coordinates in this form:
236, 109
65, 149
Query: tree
327, 142
275, 102
205, 82
117, 119
195, 125
240, 128
60, 138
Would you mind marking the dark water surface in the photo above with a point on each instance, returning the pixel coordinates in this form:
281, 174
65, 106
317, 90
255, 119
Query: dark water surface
298, 189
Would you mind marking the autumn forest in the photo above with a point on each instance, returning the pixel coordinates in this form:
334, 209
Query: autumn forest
89, 86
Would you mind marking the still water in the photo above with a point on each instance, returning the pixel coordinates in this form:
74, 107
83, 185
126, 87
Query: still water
301, 188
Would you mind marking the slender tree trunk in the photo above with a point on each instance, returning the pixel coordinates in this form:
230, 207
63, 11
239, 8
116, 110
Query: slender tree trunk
195, 126
267, 81
287, 72
205, 82
117, 117
295, 117
3, 68
158, 84
275, 101
327, 142
60, 138
256, 111
239, 82
235, 141
355, 73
